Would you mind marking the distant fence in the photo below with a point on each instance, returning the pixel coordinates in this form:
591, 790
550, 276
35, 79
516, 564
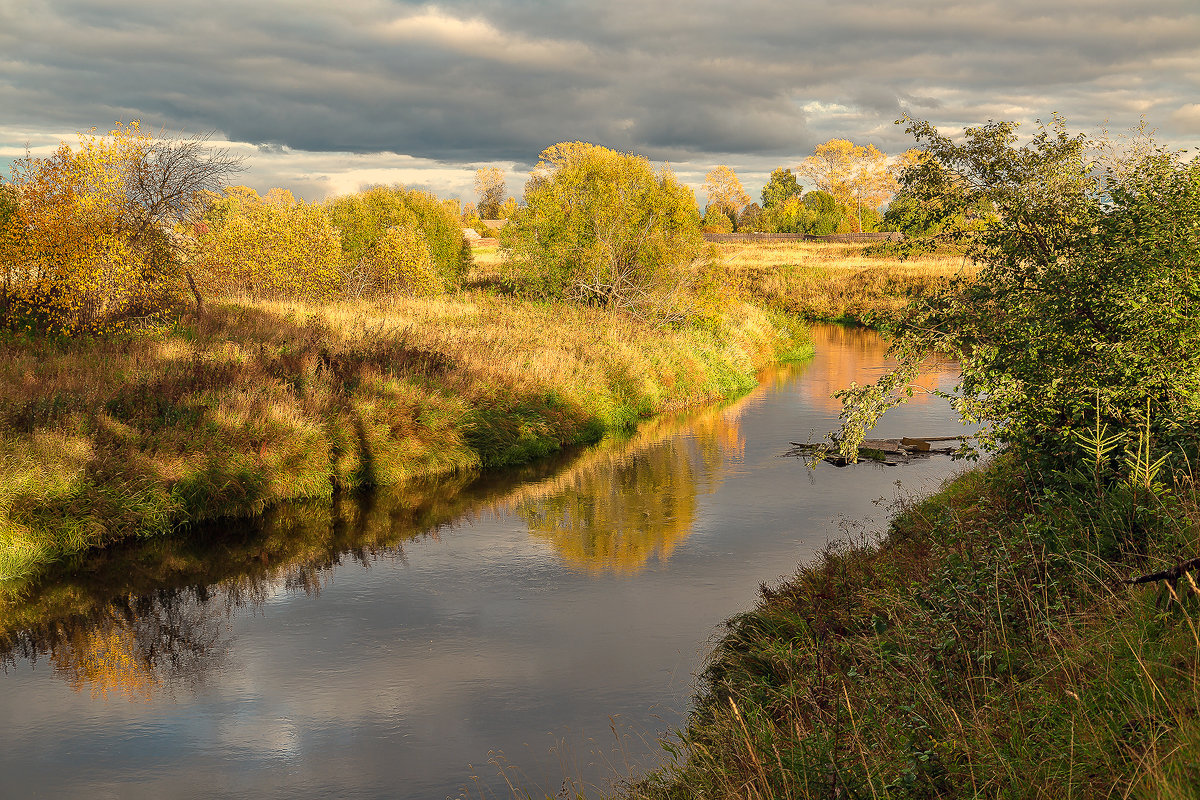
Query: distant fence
845, 238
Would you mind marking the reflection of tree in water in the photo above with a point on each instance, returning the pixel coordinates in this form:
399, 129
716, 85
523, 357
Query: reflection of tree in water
626, 503
153, 617
143, 646
846, 355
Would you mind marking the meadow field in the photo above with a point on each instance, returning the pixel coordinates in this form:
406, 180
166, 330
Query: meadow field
817, 281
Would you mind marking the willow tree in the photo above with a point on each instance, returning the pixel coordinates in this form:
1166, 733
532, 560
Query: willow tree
602, 227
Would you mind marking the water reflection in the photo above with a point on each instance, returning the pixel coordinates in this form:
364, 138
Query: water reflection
627, 503
139, 648
144, 618
381, 644
861, 358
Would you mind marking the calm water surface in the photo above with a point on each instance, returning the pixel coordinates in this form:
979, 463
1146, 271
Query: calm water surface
413, 644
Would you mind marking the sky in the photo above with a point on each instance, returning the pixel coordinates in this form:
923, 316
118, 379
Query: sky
325, 97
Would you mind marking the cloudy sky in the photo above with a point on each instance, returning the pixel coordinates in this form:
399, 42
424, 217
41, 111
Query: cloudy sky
326, 96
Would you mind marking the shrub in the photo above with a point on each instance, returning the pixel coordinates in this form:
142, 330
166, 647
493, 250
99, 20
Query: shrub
1086, 308
86, 235
603, 227
267, 247
401, 261
365, 218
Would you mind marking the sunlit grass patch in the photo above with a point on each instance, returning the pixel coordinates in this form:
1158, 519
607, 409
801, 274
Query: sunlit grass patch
835, 281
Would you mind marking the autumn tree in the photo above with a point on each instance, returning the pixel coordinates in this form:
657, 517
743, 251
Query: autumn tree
603, 227
748, 219
93, 234
818, 213
715, 220
725, 192
489, 185
857, 176
781, 185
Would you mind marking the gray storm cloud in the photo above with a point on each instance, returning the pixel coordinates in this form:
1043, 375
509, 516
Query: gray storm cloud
462, 82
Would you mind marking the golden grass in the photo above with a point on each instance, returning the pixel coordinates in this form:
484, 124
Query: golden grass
259, 402
835, 281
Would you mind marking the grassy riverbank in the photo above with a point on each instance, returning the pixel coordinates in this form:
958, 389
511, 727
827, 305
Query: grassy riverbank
987, 647
835, 282
260, 402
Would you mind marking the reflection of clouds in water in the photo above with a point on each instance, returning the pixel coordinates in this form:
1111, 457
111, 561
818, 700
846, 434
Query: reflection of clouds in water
274, 738
845, 355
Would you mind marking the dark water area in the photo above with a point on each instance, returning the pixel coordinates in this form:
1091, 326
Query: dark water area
416, 643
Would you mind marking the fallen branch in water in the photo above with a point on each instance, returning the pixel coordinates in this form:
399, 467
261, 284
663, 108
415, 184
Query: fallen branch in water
889, 452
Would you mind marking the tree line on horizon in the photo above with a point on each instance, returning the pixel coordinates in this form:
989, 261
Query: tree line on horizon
850, 185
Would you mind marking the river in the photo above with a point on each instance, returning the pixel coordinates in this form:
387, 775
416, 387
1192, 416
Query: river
537, 626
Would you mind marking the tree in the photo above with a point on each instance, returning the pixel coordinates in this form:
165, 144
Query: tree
1085, 314
489, 185
817, 214
857, 176
748, 219
779, 188
725, 192
716, 220
364, 220
98, 228
603, 227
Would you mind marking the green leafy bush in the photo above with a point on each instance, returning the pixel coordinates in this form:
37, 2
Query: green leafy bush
1086, 308
603, 227
365, 218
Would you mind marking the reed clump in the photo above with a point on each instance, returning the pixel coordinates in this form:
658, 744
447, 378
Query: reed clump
257, 401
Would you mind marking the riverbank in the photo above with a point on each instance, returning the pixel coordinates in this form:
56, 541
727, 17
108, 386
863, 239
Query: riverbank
835, 282
989, 645
260, 402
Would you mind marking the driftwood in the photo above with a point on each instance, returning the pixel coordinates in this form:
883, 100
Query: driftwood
1171, 575
886, 451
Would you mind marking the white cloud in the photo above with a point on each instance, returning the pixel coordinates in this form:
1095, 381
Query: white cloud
1186, 118
478, 38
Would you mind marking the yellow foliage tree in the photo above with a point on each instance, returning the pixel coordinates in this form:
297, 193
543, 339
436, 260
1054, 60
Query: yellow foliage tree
87, 236
725, 192
857, 176
401, 262
272, 247
74, 264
